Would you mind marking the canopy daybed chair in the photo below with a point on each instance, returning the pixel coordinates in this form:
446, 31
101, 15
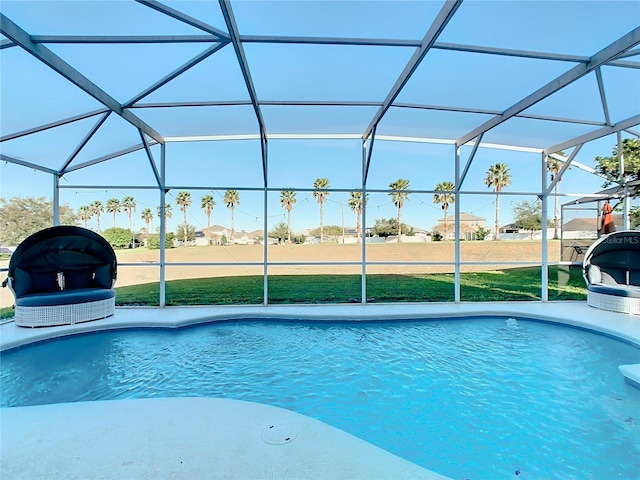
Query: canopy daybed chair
611, 269
62, 275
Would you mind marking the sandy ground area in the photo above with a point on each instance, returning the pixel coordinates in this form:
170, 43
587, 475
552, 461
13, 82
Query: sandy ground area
229, 258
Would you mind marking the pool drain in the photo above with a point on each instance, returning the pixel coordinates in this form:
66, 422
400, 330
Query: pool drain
279, 434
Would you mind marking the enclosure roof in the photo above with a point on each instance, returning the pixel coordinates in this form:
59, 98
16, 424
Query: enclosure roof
87, 81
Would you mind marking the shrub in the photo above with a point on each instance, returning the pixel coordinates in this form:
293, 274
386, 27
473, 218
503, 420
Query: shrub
154, 241
118, 237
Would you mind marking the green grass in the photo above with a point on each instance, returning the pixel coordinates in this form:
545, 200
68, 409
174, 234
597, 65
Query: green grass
500, 285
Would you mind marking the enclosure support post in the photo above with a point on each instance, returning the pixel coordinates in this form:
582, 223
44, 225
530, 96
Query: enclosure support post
163, 225
456, 223
544, 293
265, 237
366, 156
56, 200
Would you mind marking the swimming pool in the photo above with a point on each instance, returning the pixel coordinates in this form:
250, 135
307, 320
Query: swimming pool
466, 398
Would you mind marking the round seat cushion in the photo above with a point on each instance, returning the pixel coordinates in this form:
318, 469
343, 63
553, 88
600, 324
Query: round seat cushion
616, 290
65, 297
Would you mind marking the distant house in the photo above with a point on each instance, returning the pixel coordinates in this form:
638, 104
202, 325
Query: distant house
469, 225
215, 235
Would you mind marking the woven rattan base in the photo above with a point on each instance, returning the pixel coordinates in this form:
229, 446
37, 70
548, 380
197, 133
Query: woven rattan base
614, 303
48, 316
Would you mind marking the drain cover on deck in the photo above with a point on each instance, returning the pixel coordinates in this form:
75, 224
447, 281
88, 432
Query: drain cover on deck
279, 434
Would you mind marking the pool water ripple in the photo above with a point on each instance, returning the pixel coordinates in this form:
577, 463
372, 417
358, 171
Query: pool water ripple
476, 399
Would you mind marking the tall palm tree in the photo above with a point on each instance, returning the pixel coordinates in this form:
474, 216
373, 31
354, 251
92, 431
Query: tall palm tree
231, 199
445, 198
287, 200
147, 216
84, 213
357, 204
498, 177
97, 209
320, 193
207, 203
553, 167
113, 206
128, 204
184, 200
168, 213
398, 197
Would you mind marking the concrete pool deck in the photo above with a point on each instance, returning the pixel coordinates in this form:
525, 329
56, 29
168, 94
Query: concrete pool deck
216, 438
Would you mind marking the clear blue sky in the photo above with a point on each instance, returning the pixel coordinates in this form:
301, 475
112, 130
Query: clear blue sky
32, 95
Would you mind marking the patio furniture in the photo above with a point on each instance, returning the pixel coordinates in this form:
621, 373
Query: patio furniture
611, 269
61, 276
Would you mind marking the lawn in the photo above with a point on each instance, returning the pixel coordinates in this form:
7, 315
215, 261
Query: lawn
231, 285
500, 285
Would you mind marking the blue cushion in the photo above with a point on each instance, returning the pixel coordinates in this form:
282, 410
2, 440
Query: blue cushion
65, 297
78, 278
45, 281
102, 278
21, 283
615, 290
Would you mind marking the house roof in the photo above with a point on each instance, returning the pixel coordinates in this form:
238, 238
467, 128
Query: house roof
586, 224
464, 217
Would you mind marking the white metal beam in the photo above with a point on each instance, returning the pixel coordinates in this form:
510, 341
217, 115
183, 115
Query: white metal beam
230, 20
603, 97
100, 39
46, 56
465, 170
104, 158
178, 71
607, 54
444, 16
152, 162
24, 163
58, 123
84, 141
194, 22
566, 163
601, 132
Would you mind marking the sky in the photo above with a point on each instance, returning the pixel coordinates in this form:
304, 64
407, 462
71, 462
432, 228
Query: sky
32, 95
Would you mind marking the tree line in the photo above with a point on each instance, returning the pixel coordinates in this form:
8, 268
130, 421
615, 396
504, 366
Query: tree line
22, 216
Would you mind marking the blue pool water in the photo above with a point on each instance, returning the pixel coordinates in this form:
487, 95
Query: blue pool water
470, 399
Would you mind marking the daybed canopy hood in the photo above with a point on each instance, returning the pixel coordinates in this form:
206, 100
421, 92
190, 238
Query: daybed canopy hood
62, 247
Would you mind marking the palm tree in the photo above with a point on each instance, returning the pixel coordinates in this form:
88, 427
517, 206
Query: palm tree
113, 206
128, 204
287, 200
231, 199
184, 200
97, 209
207, 203
498, 177
553, 167
321, 185
398, 197
168, 213
356, 203
445, 198
84, 213
147, 216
